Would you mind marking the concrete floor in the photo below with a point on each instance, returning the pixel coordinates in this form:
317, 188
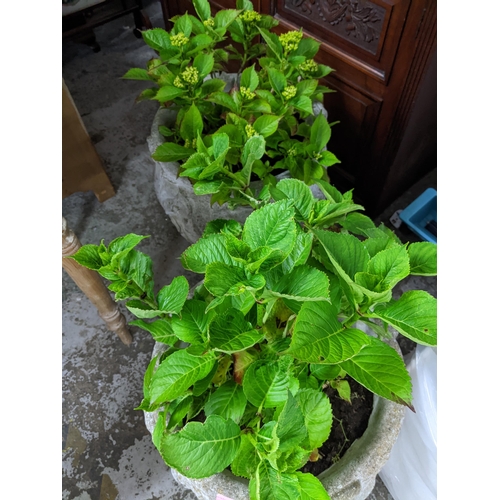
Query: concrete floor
107, 450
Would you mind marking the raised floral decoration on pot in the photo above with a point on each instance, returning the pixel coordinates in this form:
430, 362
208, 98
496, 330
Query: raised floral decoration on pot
265, 124
241, 382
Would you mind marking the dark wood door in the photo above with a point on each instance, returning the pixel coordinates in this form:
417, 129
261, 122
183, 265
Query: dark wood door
381, 51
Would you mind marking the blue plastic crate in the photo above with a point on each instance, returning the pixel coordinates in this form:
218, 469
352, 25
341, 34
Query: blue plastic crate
421, 215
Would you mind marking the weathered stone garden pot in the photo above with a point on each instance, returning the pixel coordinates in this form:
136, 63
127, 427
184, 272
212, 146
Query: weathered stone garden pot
351, 478
189, 212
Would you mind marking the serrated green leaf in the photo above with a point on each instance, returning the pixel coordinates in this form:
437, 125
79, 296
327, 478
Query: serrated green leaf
414, 315
291, 428
320, 132
266, 125
168, 93
159, 429
225, 17
230, 332
302, 103
202, 450
318, 337
177, 373
379, 368
273, 226
303, 283
88, 256
171, 297
300, 252
273, 42
191, 124
217, 226
357, 223
249, 78
253, 150
223, 99
184, 25
137, 74
204, 63
325, 372
318, 416
392, 265
331, 192
269, 484
300, 194
246, 461
222, 279
228, 401
202, 8
212, 85
423, 258
265, 385
209, 249
161, 330
193, 324
277, 80
142, 310
157, 38
170, 151
310, 487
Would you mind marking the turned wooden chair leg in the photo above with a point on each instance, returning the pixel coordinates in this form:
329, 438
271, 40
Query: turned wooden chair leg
91, 284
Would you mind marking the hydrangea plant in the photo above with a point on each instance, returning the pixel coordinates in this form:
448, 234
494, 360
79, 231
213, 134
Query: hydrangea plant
262, 126
240, 382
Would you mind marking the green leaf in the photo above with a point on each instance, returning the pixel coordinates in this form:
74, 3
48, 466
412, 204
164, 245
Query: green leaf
230, 332
300, 194
423, 258
246, 461
222, 279
184, 25
212, 85
223, 226
168, 93
192, 326
414, 315
325, 372
331, 192
310, 487
269, 484
209, 249
137, 74
228, 401
88, 256
320, 132
345, 252
318, 337
302, 103
192, 124
392, 265
170, 151
161, 330
277, 80
225, 17
265, 385
204, 63
290, 429
273, 226
266, 125
357, 223
307, 48
258, 106
202, 8
253, 150
303, 283
379, 368
328, 159
273, 42
178, 410
249, 78
177, 373
160, 426
300, 252
157, 38
223, 99
220, 144
142, 310
202, 450
318, 416
171, 298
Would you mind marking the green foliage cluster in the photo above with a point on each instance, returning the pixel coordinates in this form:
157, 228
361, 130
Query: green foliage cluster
263, 125
275, 321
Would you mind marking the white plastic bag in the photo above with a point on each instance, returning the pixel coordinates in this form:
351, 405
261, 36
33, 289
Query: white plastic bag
411, 471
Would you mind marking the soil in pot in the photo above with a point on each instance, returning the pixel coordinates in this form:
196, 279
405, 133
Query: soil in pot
350, 422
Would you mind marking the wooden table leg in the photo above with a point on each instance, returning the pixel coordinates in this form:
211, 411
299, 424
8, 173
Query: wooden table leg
91, 284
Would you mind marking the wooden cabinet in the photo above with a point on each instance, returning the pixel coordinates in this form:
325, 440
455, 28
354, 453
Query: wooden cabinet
383, 53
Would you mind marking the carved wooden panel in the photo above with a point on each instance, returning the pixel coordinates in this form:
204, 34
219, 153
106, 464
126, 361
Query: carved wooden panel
358, 21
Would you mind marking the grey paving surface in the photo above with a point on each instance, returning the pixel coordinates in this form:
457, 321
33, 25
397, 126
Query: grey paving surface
107, 450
